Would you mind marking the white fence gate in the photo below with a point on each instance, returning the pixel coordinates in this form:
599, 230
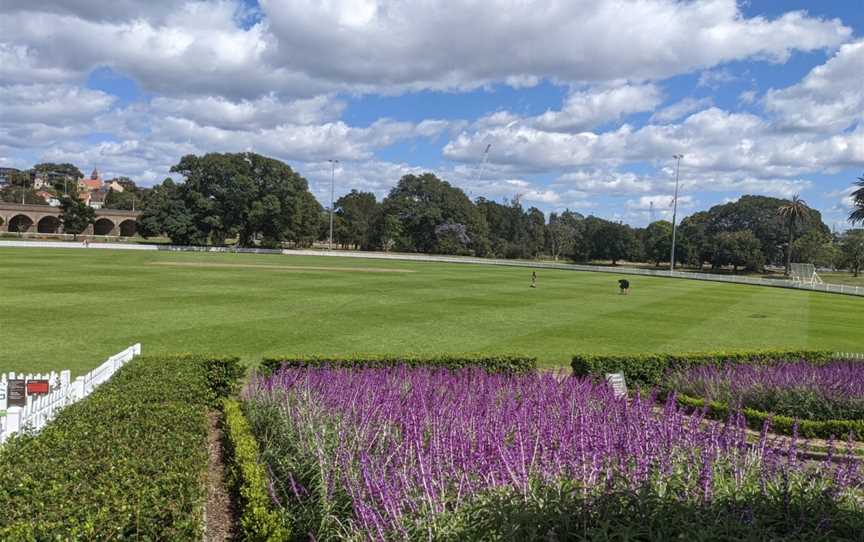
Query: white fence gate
40, 409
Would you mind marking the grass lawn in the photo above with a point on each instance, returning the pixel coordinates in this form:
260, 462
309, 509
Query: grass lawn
71, 308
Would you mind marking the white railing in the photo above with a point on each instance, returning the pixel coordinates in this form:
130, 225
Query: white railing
40, 409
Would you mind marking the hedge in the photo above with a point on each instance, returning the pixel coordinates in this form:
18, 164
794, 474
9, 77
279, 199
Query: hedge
492, 363
779, 424
649, 369
127, 462
249, 483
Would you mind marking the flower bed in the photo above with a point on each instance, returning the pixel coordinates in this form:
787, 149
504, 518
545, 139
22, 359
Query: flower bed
411, 454
833, 391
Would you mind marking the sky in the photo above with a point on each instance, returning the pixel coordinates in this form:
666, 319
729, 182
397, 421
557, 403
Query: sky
570, 104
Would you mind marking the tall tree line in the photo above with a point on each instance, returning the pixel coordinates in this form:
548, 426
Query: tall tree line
263, 202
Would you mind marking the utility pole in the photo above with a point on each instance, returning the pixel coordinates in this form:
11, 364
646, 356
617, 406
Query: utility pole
678, 158
332, 184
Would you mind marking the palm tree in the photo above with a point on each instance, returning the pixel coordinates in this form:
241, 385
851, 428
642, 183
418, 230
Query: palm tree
858, 201
793, 213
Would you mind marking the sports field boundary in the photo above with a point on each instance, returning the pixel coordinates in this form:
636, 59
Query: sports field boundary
842, 289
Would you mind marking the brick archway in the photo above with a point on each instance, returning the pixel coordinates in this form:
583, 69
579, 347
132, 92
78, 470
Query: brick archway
48, 224
103, 226
20, 223
128, 228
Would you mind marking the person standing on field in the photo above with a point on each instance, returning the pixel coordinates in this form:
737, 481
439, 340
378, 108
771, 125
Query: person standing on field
533, 279
624, 284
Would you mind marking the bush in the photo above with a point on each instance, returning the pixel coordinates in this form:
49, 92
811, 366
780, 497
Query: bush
249, 480
783, 425
491, 363
127, 462
648, 370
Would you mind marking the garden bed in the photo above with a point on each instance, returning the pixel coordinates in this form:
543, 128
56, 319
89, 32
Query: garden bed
419, 453
128, 462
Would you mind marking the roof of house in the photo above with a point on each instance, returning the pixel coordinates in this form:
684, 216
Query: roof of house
92, 184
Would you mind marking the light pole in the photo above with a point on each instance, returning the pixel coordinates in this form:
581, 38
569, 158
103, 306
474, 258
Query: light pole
332, 184
678, 158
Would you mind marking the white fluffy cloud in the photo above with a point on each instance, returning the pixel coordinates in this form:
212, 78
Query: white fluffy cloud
831, 96
308, 47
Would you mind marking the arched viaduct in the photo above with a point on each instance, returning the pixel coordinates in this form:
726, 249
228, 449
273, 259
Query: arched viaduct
46, 219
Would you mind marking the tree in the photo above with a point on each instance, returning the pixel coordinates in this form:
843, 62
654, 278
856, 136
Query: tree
563, 232
358, 210
421, 203
815, 247
65, 169
12, 194
75, 215
658, 241
258, 199
857, 215
613, 241
793, 213
852, 251
693, 243
738, 249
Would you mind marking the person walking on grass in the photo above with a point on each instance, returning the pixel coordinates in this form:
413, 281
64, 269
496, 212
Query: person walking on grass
624, 284
533, 279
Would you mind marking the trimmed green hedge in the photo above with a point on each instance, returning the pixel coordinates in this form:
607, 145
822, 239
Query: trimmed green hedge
128, 462
258, 521
779, 424
649, 369
492, 363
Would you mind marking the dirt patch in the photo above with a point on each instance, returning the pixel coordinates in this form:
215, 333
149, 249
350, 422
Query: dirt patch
219, 512
295, 268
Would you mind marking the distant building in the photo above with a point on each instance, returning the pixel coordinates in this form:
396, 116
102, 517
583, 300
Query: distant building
97, 199
84, 196
50, 198
113, 185
93, 183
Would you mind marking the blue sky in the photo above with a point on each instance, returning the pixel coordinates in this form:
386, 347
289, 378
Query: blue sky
582, 104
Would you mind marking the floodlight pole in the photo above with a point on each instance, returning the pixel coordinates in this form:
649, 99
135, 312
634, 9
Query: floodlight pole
678, 158
332, 184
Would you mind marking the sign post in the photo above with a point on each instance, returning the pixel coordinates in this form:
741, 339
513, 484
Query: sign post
16, 393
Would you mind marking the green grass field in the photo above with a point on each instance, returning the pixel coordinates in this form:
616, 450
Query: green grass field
70, 308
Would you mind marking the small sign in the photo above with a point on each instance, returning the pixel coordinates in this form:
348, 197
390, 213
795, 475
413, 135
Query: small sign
17, 393
37, 387
618, 384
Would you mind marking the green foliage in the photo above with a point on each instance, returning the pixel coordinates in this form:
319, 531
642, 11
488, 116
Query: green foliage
852, 251
492, 363
358, 211
649, 369
564, 512
785, 425
245, 194
857, 214
738, 249
422, 203
75, 215
127, 462
248, 478
12, 194
658, 241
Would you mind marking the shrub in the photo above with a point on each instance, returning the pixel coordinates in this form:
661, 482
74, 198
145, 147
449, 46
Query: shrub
649, 369
783, 425
249, 480
127, 462
491, 363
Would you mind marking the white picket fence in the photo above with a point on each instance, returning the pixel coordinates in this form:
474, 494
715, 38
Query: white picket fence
41, 409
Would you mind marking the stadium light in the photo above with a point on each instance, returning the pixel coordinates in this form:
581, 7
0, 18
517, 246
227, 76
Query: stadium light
678, 158
332, 183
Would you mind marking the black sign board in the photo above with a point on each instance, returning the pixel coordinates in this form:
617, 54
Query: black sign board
17, 393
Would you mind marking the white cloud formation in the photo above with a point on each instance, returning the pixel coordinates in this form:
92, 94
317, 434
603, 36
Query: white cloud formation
829, 98
680, 109
54, 104
307, 47
590, 108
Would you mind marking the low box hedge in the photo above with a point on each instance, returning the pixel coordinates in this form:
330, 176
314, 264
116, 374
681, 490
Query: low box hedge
779, 424
646, 370
492, 363
128, 462
258, 522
